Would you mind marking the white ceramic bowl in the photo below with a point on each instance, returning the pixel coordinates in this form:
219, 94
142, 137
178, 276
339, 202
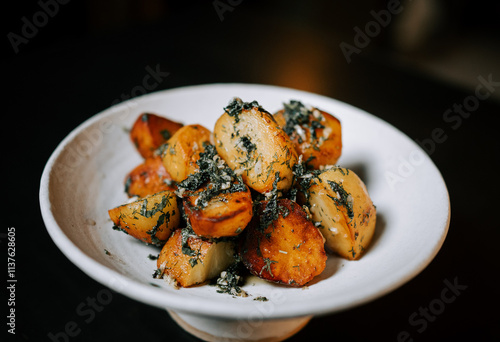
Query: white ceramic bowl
84, 178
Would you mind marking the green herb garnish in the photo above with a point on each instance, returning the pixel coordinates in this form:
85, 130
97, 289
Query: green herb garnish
165, 200
165, 133
231, 279
236, 106
214, 176
344, 199
267, 266
157, 273
299, 118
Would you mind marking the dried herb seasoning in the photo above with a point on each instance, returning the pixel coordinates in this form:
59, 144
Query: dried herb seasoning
231, 279
299, 118
236, 106
214, 175
343, 198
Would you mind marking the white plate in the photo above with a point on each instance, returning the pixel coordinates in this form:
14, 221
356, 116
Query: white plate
84, 178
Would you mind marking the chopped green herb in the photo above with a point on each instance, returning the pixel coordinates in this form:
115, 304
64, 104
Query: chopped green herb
299, 118
298, 246
231, 279
284, 211
247, 144
261, 299
153, 257
115, 227
214, 175
164, 217
162, 149
271, 211
267, 266
185, 234
165, 200
128, 182
344, 199
303, 179
165, 133
352, 251
236, 106
194, 260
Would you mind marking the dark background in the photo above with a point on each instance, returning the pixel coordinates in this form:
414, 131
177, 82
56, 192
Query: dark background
87, 54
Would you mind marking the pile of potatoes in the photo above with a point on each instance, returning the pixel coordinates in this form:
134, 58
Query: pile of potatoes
259, 190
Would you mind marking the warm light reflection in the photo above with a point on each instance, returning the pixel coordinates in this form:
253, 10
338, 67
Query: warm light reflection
301, 60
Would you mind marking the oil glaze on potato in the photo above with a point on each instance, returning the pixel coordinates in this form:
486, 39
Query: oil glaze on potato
150, 131
316, 134
226, 214
252, 143
207, 261
340, 203
148, 178
289, 250
183, 150
150, 219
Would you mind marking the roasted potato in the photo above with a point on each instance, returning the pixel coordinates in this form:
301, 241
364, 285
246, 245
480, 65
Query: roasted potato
150, 219
148, 178
204, 259
253, 145
226, 214
183, 150
284, 247
316, 134
150, 131
343, 210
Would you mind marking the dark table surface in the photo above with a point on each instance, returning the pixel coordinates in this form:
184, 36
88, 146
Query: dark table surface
55, 84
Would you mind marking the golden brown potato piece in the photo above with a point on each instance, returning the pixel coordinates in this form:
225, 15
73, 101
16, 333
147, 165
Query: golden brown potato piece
183, 150
205, 259
289, 250
340, 203
316, 134
150, 219
253, 145
148, 178
226, 214
150, 131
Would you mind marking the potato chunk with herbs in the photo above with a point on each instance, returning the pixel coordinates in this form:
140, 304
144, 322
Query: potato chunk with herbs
254, 145
183, 149
150, 219
225, 214
150, 131
281, 245
315, 133
217, 203
148, 178
191, 260
340, 204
